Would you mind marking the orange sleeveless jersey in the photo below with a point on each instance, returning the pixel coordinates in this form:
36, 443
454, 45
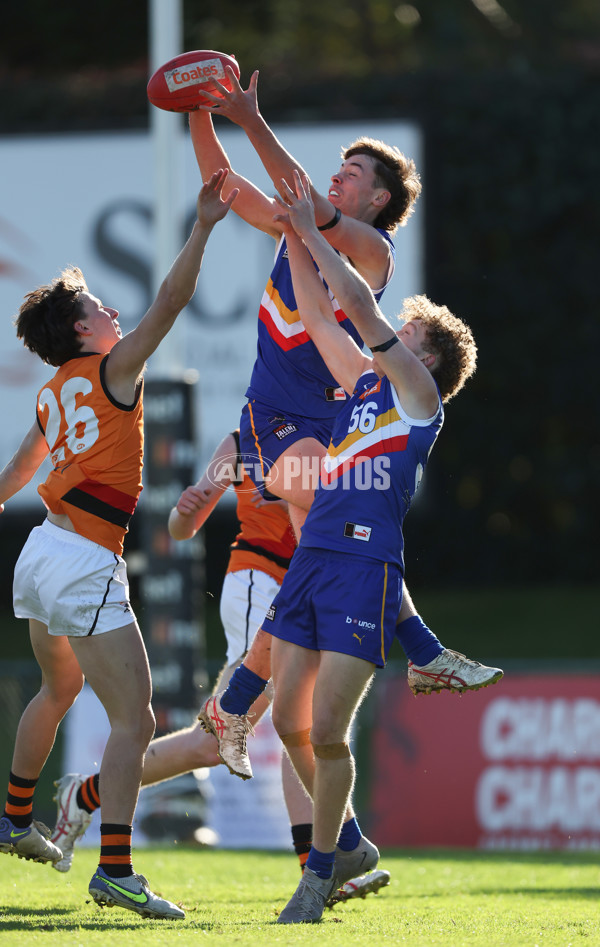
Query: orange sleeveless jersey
96, 446
266, 539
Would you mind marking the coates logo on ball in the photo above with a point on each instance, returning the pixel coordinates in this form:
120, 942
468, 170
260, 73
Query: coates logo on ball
194, 73
177, 85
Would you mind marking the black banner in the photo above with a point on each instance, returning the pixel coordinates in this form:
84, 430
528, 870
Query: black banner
172, 578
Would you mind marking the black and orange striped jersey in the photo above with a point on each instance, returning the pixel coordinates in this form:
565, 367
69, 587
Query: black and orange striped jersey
96, 445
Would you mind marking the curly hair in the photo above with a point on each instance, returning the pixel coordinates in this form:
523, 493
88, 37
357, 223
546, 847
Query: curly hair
394, 172
46, 318
449, 338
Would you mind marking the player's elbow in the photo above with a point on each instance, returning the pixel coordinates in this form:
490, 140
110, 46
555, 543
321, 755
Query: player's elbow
174, 297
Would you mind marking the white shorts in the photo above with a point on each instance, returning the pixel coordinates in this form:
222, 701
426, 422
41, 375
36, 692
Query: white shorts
245, 600
71, 584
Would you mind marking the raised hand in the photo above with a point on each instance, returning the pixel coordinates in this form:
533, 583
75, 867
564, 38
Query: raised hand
239, 106
297, 207
210, 206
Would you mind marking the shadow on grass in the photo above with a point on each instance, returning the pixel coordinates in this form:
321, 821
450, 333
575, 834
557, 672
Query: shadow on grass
17, 918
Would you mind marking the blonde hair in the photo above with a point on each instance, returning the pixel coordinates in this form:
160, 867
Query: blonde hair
449, 338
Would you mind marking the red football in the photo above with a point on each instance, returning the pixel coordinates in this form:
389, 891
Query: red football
177, 86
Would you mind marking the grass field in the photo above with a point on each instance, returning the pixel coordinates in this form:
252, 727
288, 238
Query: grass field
233, 898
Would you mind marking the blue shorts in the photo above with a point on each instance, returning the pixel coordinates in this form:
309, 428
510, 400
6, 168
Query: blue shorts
334, 601
265, 434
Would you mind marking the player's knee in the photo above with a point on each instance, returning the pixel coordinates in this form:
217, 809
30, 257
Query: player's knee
148, 724
279, 721
331, 751
330, 727
63, 692
282, 721
295, 739
141, 730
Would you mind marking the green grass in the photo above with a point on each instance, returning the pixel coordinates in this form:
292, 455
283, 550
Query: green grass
232, 898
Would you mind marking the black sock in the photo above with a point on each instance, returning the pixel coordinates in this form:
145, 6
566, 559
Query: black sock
115, 850
302, 839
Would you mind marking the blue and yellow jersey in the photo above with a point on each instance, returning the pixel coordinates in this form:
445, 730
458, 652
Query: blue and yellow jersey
289, 374
370, 474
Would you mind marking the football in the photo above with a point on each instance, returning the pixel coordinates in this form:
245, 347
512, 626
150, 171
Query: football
177, 86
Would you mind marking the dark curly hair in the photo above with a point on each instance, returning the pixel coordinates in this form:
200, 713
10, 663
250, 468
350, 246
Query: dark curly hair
46, 318
394, 172
449, 338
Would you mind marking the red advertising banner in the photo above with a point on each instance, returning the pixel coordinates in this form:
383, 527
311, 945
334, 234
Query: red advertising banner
516, 765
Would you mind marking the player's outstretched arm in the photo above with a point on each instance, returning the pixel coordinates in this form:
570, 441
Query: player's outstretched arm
23, 465
338, 350
409, 375
197, 502
251, 204
366, 247
128, 357
350, 289
241, 107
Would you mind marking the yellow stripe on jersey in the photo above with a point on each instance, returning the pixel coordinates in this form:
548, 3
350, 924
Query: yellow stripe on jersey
388, 425
385, 582
273, 302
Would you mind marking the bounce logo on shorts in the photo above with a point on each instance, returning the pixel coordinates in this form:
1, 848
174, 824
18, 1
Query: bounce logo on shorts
231, 469
360, 623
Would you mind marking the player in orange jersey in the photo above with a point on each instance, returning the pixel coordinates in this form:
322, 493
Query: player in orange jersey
70, 580
260, 556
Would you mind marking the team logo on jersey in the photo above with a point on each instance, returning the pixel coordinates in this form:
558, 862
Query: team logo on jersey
270, 616
371, 391
284, 430
356, 531
335, 394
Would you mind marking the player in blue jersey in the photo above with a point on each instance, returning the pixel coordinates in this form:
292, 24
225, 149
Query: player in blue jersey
293, 398
334, 619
